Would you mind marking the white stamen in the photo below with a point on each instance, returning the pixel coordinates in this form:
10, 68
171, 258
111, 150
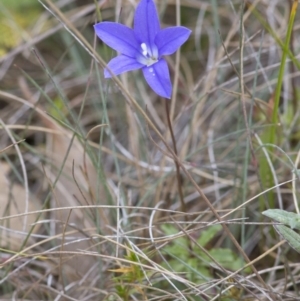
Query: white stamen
151, 70
144, 48
148, 55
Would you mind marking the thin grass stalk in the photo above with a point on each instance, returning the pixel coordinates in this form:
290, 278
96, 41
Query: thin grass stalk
177, 62
267, 27
179, 182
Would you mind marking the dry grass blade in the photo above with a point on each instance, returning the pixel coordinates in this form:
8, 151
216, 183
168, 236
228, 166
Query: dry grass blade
99, 202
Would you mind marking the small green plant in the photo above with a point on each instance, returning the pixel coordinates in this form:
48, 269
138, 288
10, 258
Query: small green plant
129, 278
194, 262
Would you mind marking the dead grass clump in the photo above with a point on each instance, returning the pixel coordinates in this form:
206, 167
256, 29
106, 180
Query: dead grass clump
89, 199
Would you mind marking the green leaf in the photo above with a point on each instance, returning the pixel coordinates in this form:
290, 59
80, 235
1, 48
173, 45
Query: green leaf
196, 271
228, 259
179, 246
292, 238
288, 218
208, 234
169, 230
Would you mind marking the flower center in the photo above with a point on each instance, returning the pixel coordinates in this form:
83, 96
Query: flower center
148, 56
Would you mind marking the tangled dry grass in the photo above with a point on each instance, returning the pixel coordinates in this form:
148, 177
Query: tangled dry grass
90, 208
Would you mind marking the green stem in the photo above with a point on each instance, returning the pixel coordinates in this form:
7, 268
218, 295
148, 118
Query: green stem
270, 134
281, 72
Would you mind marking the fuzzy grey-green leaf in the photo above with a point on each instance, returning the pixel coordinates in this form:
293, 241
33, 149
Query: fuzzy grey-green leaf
288, 218
292, 238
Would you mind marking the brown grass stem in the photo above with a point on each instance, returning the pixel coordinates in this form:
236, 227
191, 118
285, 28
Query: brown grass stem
179, 182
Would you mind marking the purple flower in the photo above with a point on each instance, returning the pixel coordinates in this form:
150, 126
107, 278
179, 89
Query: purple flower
143, 47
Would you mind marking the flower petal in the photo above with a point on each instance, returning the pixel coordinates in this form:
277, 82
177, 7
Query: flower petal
158, 78
146, 22
117, 36
170, 39
121, 64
